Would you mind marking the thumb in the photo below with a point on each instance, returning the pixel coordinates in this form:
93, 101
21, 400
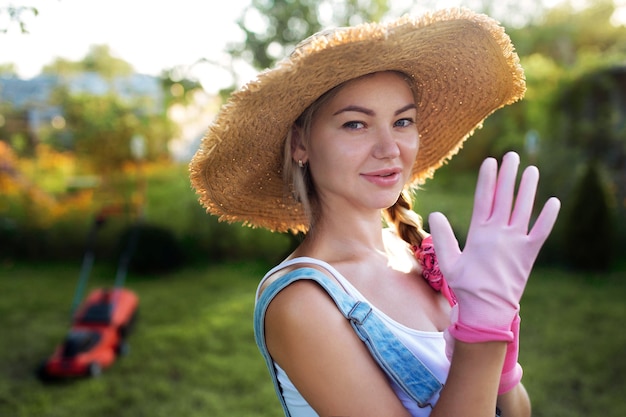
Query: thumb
446, 245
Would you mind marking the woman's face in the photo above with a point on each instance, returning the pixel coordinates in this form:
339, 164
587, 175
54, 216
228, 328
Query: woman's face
363, 143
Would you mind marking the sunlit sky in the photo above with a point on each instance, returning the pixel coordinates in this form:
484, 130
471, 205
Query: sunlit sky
151, 35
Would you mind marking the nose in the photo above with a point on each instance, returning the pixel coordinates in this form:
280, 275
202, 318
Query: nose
386, 146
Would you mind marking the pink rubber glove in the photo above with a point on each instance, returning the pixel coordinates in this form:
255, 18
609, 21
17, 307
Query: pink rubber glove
489, 276
512, 370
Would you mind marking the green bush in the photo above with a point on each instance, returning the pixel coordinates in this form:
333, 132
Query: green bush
178, 226
149, 249
589, 223
206, 238
64, 240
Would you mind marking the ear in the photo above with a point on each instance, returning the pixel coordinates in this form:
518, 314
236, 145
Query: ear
298, 148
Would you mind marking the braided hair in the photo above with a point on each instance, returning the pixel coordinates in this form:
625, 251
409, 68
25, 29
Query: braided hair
408, 223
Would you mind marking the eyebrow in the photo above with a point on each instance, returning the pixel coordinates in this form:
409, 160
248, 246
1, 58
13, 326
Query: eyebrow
371, 112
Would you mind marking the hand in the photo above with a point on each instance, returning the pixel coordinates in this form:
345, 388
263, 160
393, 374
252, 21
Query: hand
489, 276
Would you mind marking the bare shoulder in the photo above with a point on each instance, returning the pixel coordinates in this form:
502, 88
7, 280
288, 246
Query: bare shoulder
302, 301
299, 300
300, 315
282, 272
314, 344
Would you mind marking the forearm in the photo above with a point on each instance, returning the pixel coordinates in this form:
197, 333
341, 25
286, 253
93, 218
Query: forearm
515, 403
472, 384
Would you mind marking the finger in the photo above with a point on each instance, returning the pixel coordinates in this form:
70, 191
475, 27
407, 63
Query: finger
505, 188
485, 190
546, 220
525, 198
446, 245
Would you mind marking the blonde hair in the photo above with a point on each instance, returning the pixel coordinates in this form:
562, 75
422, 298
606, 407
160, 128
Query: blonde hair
299, 178
407, 223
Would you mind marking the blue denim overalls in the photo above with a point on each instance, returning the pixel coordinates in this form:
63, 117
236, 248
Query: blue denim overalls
394, 358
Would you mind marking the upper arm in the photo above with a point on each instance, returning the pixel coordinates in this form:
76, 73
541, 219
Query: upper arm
330, 366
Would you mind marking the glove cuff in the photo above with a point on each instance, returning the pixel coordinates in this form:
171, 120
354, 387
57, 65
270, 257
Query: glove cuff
508, 380
475, 334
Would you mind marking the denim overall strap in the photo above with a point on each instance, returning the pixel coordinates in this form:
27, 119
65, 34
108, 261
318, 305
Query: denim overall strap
393, 357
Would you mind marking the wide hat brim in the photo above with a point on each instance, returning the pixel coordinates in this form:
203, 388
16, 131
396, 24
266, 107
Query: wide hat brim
463, 67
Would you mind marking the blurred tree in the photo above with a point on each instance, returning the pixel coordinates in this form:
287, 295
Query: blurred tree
574, 102
590, 125
99, 59
16, 15
62, 67
571, 36
102, 127
556, 49
511, 13
593, 116
272, 28
178, 86
8, 70
590, 223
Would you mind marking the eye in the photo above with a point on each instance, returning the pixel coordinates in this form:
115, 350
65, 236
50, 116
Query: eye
406, 122
354, 125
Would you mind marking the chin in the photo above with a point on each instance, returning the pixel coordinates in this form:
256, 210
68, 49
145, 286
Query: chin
388, 203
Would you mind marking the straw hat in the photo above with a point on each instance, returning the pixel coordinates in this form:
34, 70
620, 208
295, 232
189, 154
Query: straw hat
463, 67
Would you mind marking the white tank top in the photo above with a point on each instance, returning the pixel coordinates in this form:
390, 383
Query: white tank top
429, 347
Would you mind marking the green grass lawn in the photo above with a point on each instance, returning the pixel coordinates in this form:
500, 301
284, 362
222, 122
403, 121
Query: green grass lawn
193, 352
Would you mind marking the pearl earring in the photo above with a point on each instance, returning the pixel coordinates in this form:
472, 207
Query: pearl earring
300, 163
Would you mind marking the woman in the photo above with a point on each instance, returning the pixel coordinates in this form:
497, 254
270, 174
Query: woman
326, 142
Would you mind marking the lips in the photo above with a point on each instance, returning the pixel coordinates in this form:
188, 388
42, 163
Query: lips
383, 172
383, 177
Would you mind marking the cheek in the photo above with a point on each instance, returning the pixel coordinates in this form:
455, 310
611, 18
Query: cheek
324, 155
409, 154
411, 147
327, 146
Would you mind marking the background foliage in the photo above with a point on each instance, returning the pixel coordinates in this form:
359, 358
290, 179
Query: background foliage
572, 113
194, 353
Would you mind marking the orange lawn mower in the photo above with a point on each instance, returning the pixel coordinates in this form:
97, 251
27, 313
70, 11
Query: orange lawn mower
100, 324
